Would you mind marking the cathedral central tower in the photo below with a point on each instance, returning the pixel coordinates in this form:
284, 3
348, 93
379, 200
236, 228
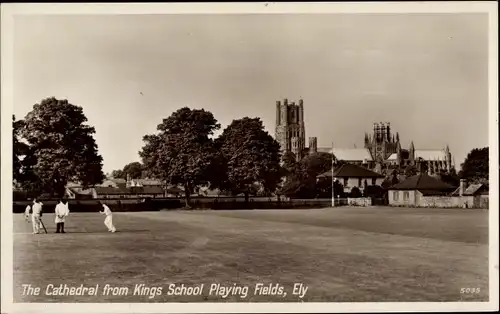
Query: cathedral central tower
382, 143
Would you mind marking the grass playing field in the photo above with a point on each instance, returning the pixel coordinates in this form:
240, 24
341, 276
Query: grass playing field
341, 254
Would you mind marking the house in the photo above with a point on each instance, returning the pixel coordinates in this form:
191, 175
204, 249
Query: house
79, 193
474, 195
130, 192
352, 175
76, 191
418, 190
114, 183
116, 188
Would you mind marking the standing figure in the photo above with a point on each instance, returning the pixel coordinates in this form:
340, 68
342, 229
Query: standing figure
109, 218
61, 212
27, 213
36, 215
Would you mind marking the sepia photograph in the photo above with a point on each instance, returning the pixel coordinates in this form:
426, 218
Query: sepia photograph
249, 157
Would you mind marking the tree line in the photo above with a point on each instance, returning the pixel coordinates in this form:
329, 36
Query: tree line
54, 145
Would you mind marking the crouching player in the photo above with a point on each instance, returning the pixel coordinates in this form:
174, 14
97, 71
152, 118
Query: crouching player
109, 218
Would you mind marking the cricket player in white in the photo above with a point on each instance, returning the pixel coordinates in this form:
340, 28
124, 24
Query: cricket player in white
36, 215
62, 211
109, 218
27, 213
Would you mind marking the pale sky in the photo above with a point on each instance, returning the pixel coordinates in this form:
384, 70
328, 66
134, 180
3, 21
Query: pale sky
426, 74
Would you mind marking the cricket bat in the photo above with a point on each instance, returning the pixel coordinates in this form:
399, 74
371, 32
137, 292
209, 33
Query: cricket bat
41, 222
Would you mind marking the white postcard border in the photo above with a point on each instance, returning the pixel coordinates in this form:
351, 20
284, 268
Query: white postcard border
7, 15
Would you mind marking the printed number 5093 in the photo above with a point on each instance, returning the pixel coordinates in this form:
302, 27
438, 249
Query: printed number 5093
470, 290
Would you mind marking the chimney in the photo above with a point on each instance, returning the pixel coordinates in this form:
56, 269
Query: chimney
463, 186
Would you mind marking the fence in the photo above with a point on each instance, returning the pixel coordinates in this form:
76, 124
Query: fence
478, 201
216, 203
115, 205
361, 201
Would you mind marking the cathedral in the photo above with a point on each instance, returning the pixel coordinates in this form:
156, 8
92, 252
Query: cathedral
385, 150
290, 130
382, 149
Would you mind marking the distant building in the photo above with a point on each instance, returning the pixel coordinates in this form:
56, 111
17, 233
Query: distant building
470, 190
116, 188
385, 150
412, 191
381, 150
290, 130
351, 176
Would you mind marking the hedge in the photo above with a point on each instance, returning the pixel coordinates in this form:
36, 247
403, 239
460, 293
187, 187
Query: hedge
168, 204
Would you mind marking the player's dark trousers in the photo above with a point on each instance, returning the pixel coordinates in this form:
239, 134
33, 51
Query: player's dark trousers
60, 227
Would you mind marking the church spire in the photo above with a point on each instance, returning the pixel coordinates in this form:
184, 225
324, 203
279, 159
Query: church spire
412, 147
397, 136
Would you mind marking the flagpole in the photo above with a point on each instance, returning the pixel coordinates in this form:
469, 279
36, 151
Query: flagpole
333, 189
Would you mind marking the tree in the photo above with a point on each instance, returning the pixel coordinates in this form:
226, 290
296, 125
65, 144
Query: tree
134, 169
355, 192
392, 178
450, 177
290, 165
338, 189
475, 168
375, 191
311, 166
251, 156
62, 147
19, 150
303, 181
410, 171
118, 174
182, 153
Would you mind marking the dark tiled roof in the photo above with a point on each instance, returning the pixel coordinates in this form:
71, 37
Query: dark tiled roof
422, 182
348, 170
147, 190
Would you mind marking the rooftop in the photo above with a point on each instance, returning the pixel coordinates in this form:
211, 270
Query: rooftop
422, 182
352, 154
348, 170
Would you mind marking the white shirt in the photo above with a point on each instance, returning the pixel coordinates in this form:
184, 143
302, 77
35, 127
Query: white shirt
62, 210
37, 208
27, 210
107, 211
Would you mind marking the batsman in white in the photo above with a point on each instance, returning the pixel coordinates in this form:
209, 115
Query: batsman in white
62, 211
109, 217
36, 216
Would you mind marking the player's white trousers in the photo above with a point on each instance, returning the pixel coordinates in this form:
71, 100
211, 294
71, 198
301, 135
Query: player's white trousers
36, 223
109, 223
